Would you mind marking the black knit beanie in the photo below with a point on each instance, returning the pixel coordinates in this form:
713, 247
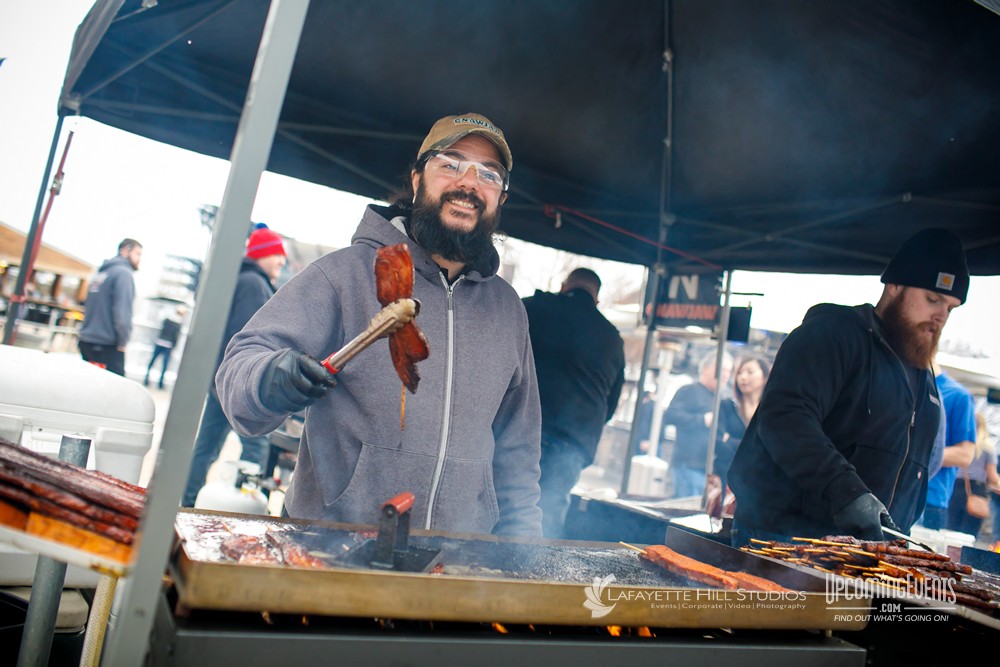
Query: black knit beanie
932, 259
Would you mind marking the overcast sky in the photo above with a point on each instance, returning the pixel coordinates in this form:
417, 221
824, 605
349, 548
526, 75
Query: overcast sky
119, 185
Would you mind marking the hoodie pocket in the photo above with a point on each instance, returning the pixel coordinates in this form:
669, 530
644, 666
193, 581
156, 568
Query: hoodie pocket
466, 499
380, 474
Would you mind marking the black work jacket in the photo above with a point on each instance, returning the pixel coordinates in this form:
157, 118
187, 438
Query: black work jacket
840, 416
580, 364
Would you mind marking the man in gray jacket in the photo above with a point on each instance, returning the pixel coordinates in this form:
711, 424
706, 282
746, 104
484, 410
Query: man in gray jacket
107, 322
469, 450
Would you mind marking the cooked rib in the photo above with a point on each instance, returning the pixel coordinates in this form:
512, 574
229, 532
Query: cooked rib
48, 508
69, 500
73, 478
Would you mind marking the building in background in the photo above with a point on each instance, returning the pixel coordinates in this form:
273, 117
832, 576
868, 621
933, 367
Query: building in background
54, 292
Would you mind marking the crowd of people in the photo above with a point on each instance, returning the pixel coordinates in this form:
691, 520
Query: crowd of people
851, 428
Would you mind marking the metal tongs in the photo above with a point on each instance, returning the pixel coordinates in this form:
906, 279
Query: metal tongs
904, 536
391, 318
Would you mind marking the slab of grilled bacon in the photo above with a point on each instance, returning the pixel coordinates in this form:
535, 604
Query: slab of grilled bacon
71, 504
703, 573
407, 345
891, 563
394, 281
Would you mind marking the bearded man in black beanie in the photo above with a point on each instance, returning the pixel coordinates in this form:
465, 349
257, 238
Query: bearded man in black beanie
842, 439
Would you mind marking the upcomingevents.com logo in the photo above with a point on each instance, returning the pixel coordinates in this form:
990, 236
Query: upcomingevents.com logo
594, 597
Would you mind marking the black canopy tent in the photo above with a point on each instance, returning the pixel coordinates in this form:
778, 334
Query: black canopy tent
782, 136
806, 136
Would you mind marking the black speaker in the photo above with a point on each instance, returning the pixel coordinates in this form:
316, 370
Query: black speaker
739, 324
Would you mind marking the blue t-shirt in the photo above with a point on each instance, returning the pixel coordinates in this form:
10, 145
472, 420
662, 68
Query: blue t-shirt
961, 426
937, 453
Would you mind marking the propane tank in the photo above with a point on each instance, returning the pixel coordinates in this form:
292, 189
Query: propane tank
234, 490
647, 476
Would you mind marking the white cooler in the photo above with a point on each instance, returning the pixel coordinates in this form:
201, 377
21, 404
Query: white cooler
46, 396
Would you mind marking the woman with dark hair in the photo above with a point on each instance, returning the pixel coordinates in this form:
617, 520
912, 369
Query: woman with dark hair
734, 414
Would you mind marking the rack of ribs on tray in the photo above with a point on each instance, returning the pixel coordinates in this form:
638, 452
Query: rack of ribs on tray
66, 503
891, 565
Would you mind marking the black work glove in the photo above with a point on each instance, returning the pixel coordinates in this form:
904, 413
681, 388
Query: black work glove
864, 517
293, 381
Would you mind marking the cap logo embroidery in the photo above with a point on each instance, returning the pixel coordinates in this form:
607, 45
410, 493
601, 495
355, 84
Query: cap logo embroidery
477, 121
945, 281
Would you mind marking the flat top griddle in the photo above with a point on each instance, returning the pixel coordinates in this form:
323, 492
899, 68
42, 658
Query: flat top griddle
578, 563
482, 578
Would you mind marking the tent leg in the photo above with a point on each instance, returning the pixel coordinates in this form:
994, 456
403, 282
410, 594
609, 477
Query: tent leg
17, 298
129, 632
634, 435
713, 430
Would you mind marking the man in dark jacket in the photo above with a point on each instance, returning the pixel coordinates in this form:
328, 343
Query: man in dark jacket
107, 322
262, 264
842, 439
690, 411
580, 362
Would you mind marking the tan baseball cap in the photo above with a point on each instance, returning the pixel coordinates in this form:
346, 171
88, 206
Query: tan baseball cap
450, 129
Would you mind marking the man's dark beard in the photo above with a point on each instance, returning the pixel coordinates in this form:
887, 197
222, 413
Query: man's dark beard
467, 247
907, 338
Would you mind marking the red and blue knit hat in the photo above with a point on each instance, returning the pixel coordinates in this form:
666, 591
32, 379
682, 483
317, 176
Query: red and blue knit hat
264, 243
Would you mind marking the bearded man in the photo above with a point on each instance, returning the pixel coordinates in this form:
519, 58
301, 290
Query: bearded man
107, 324
842, 439
470, 448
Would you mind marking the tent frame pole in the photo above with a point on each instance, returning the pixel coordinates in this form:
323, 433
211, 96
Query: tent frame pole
657, 272
129, 635
33, 239
713, 429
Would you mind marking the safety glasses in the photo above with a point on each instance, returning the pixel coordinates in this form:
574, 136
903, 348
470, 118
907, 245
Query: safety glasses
453, 164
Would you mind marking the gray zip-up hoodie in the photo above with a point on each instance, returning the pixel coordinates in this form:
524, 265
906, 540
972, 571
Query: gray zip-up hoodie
470, 447
108, 319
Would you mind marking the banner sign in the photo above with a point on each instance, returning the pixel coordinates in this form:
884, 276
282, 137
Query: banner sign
689, 300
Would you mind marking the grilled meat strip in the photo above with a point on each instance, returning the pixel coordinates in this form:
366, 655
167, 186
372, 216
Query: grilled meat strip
68, 500
247, 550
292, 553
74, 479
689, 568
703, 573
271, 549
890, 549
393, 281
393, 273
848, 539
55, 511
755, 583
966, 589
408, 346
947, 566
